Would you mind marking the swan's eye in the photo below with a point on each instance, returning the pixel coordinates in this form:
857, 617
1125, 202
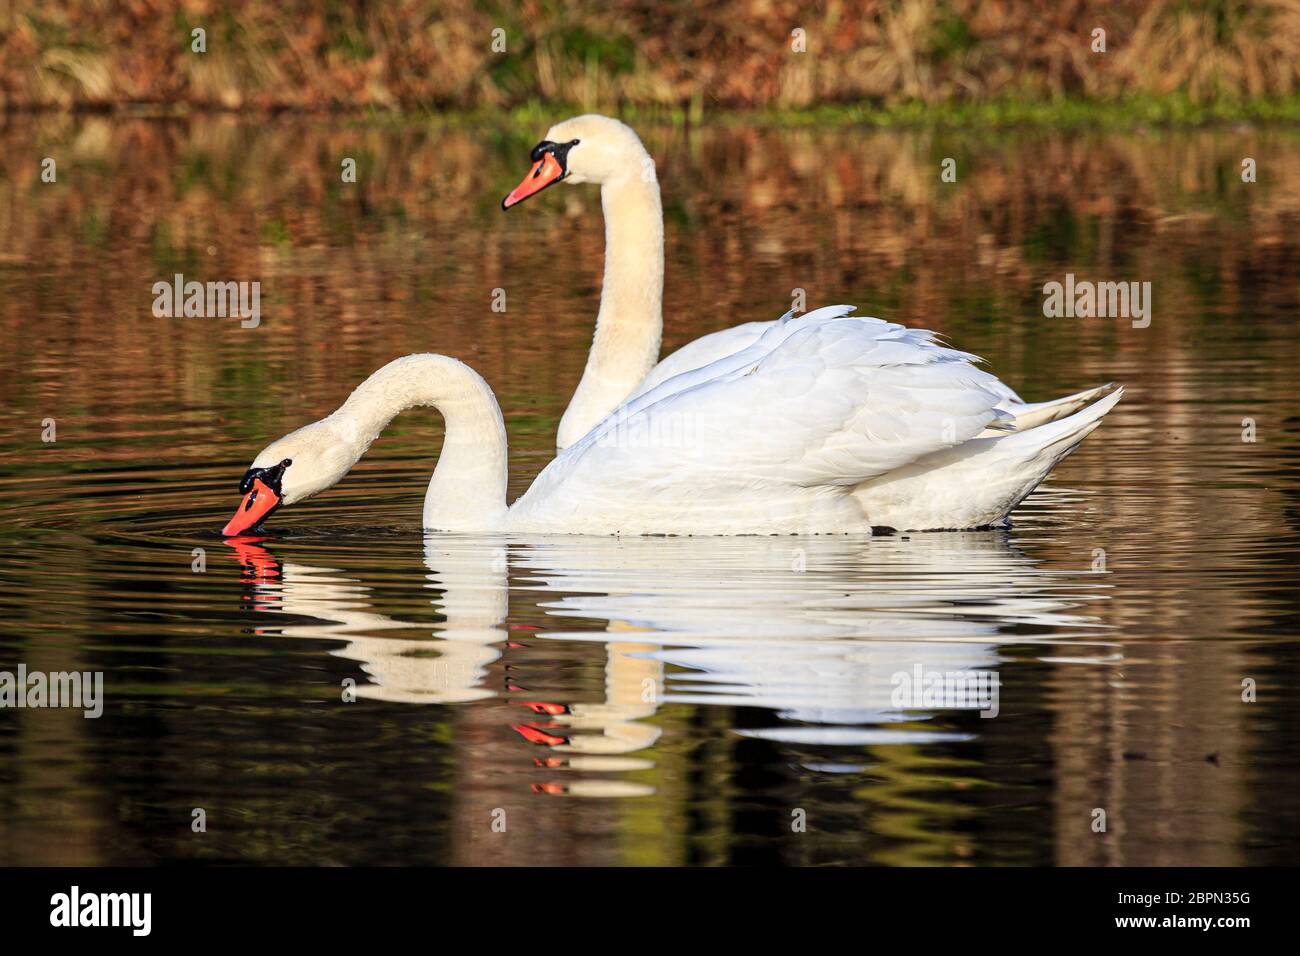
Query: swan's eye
561, 153
269, 476
559, 150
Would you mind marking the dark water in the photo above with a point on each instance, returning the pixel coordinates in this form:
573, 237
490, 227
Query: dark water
651, 701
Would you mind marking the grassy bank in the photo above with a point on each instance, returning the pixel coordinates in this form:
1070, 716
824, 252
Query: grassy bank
1175, 110
856, 60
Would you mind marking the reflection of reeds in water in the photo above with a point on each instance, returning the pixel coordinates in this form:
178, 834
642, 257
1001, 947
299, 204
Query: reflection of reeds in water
406, 260
741, 53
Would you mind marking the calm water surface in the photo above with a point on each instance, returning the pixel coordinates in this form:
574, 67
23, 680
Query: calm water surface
644, 701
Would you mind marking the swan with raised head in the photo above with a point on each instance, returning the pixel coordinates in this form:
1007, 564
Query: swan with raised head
825, 424
624, 359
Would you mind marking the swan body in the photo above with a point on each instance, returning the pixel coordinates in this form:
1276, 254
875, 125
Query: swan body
825, 424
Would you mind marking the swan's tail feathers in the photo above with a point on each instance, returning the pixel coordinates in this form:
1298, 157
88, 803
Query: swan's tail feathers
1057, 436
1033, 414
1005, 423
976, 484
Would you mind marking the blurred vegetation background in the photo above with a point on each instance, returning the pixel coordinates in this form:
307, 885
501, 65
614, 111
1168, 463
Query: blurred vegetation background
898, 57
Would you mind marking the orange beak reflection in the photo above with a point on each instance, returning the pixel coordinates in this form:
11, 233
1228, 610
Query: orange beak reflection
545, 171
257, 504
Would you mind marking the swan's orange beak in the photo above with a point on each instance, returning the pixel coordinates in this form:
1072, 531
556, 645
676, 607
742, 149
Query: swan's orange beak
539, 737
260, 501
545, 171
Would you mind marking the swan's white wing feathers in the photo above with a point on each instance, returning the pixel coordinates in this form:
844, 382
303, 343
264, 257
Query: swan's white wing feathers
725, 343
702, 351
814, 403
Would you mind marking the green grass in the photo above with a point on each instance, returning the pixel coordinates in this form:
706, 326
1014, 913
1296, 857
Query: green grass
1173, 110
1168, 110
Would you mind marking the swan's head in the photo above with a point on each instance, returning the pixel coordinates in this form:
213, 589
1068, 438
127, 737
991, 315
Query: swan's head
297, 466
585, 149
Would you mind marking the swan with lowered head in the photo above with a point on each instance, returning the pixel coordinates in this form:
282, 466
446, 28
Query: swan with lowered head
624, 359
825, 424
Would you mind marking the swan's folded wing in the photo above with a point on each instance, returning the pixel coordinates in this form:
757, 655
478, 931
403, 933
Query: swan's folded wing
768, 337
834, 403
703, 351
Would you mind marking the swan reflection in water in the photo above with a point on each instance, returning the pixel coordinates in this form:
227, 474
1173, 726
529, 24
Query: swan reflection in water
816, 630
451, 668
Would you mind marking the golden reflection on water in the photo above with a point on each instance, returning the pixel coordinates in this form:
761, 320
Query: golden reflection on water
660, 701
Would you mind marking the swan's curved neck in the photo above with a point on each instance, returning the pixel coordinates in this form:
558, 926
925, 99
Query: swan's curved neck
630, 324
468, 489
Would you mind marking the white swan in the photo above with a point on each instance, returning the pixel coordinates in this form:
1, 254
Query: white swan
629, 326
825, 424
